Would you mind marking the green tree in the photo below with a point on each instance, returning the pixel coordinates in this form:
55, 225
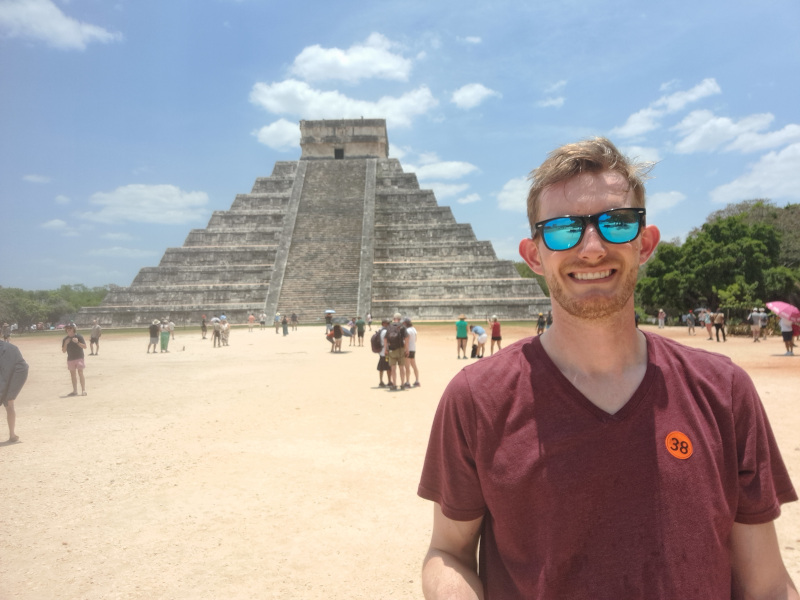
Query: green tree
525, 271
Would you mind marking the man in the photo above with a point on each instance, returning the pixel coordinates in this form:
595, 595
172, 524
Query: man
396, 342
262, 320
719, 324
13, 374
662, 316
628, 467
74, 345
755, 324
690, 322
6, 332
411, 357
785, 326
764, 323
277, 322
497, 337
94, 338
251, 322
540, 323
154, 331
479, 338
361, 326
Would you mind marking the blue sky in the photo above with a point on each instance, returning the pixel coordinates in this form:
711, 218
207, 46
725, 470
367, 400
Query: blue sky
125, 123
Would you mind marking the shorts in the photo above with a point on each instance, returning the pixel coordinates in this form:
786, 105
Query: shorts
154, 340
787, 336
412, 354
497, 339
76, 365
383, 364
94, 340
397, 357
482, 338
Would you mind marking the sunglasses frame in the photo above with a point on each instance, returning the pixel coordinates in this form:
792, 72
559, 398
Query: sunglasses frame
587, 220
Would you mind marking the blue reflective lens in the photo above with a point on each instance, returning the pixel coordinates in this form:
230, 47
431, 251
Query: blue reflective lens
616, 226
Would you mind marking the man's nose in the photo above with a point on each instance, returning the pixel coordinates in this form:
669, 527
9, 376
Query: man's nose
592, 246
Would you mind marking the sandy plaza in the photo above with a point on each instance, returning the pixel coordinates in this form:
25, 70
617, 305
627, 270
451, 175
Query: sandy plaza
270, 468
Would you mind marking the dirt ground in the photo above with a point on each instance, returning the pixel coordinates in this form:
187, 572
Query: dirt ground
267, 469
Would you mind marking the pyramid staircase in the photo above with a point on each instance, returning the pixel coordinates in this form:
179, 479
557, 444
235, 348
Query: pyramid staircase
343, 228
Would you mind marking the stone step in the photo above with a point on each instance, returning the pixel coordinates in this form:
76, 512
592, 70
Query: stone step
235, 237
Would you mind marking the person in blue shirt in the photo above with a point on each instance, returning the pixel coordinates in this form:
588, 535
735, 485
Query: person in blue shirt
479, 337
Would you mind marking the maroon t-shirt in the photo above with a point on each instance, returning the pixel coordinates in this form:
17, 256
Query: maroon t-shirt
578, 503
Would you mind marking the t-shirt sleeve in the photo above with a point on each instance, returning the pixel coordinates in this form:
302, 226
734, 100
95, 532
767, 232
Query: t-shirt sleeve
449, 475
764, 482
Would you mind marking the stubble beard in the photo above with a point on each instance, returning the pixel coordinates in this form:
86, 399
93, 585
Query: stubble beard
599, 307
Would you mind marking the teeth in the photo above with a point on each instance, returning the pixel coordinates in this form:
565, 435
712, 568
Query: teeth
587, 276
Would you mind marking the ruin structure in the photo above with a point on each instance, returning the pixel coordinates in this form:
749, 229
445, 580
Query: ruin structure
343, 228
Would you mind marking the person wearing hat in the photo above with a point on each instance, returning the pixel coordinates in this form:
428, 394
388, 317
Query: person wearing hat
165, 335
690, 322
383, 364
496, 336
411, 356
155, 329
462, 333
755, 324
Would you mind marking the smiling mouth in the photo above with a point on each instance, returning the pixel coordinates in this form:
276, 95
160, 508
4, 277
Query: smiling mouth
592, 276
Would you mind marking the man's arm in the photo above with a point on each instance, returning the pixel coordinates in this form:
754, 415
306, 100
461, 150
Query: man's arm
450, 569
758, 570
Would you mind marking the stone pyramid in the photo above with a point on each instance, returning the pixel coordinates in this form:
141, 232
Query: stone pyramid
344, 229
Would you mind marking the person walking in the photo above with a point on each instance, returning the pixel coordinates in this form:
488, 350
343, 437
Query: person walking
755, 324
496, 335
13, 374
396, 350
154, 331
719, 324
165, 333
411, 356
462, 333
94, 338
73, 345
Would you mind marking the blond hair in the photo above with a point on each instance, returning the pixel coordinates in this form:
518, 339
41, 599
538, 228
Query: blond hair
593, 155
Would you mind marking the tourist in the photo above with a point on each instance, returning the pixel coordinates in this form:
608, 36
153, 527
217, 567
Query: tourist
294, 321
13, 374
337, 338
369, 321
328, 321
277, 322
496, 337
383, 364
285, 325
224, 330
662, 317
787, 334
479, 338
203, 327
764, 323
165, 335
360, 327
549, 320
73, 345
461, 336
719, 324
262, 320
690, 322
6, 332
216, 336
540, 323
396, 343
598, 460
94, 338
411, 356
251, 322
154, 331
351, 326
755, 324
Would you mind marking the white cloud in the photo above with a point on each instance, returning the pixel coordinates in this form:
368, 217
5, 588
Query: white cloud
55, 224
43, 21
61, 199
663, 201
641, 153
280, 135
514, 195
445, 170
298, 98
472, 39
446, 190
776, 175
472, 94
551, 102
751, 141
558, 85
371, 59
120, 252
138, 203
649, 118
703, 131
36, 178
469, 199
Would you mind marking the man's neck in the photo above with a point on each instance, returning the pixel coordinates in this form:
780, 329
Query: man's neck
605, 359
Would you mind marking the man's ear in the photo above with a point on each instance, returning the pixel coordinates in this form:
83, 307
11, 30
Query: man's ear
529, 251
650, 238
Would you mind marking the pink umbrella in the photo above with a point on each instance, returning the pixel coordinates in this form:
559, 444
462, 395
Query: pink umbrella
785, 310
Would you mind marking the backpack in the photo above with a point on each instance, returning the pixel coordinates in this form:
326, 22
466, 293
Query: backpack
396, 334
375, 341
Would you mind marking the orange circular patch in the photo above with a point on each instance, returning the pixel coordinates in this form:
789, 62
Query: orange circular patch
679, 445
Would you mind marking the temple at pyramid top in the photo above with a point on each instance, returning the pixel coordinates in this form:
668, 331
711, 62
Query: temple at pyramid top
344, 138
343, 228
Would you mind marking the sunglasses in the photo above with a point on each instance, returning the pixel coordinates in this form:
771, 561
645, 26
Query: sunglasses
615, 226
